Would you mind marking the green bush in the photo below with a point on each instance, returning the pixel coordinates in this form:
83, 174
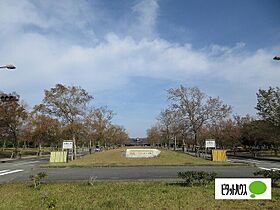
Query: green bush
197, 177
274, 175
36, 179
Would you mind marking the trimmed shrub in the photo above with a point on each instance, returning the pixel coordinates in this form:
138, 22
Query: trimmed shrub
274, 175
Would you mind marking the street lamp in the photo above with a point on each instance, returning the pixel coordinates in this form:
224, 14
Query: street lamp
7, 97
277, 57
9, 66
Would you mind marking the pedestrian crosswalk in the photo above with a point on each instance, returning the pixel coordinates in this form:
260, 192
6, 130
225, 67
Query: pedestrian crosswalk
261, 164
269, 169
9, 171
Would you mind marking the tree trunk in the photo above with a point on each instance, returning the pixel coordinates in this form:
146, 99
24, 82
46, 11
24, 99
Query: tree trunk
17, 145
75, 147
40, 149
4, 144
183, 144
90, 146
175, 142
276, 151
195, 138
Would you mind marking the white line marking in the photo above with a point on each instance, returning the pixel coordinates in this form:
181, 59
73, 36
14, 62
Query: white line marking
268, 169
11, 172
19, 164
3, 171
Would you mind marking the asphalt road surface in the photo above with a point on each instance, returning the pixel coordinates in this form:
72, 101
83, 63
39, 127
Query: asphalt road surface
260, 164
21, 170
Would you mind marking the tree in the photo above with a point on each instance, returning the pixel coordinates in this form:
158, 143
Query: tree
226, 132
67, 104
43, 130
154, 135
165, 121
117, 135
259, 133
98, 121
12, 117
197, 108
268, 105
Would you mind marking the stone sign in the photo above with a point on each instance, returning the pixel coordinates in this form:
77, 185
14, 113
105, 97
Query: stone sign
141, 153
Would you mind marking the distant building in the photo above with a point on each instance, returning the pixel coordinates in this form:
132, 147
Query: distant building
138, 142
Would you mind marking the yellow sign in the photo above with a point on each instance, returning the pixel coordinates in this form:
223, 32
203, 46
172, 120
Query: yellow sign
58, 157
219, 155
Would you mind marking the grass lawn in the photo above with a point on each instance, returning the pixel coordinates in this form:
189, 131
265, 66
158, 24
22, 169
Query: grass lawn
122, 195
115, 158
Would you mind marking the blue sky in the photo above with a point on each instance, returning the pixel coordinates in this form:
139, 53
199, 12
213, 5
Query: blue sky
128, 53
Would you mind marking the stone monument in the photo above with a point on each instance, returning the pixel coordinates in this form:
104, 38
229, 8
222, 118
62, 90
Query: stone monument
141, 153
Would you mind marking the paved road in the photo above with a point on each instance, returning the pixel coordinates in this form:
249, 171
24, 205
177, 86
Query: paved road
21, 170
260, 164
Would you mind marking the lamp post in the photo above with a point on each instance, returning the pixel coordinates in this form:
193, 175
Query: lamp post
8, 97
8, 66
277, 57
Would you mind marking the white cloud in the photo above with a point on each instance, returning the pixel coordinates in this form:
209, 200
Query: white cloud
147, 13
44, 60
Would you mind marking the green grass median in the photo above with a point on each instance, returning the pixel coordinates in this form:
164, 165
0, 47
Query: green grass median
115, 158
122, 195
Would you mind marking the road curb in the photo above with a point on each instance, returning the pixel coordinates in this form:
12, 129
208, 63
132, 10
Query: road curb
119, 166
23, 158
256, 158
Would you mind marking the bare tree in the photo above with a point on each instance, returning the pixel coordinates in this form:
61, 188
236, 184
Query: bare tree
197, 108
117, 135
98, 121
66, 103
165, 120
154, 135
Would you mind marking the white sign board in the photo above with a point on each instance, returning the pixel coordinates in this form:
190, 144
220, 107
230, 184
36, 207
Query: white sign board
210, 143
141, 153
67, 145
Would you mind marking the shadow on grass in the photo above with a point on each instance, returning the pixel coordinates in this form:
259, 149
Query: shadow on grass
180, 184
183, 184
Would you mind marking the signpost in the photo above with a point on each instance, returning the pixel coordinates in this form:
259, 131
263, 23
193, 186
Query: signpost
210, 143
68, 145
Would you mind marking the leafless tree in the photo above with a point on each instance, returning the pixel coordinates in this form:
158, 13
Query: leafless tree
97, 122
197, 108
